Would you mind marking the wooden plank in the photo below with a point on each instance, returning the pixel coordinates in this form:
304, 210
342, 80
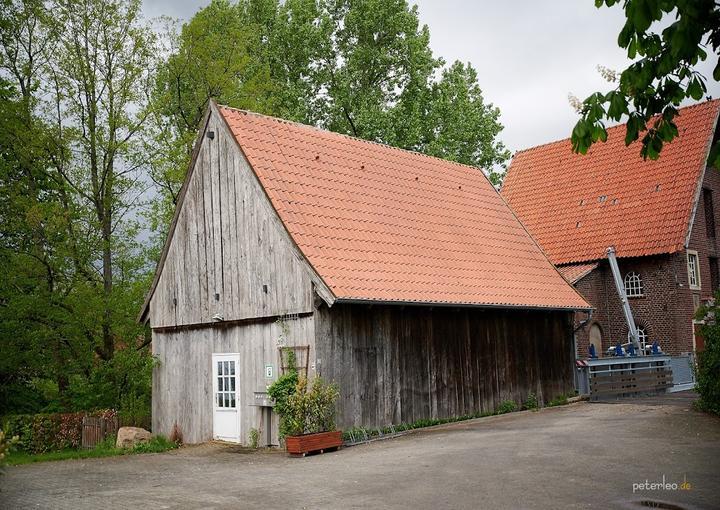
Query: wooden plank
630, 377
429, 374
228, 240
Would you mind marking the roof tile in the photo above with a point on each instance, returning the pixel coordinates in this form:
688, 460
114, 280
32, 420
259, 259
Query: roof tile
576, 206
384, 224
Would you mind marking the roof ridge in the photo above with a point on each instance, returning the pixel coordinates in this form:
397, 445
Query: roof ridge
351, 137
614, 126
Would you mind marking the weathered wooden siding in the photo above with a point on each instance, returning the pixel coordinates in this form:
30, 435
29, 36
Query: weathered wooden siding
229, 253
401, 364
182, 380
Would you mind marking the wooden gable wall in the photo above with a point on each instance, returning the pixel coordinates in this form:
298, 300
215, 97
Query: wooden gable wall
228, 254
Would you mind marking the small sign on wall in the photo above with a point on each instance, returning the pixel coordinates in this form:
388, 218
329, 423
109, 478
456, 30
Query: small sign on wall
268, 371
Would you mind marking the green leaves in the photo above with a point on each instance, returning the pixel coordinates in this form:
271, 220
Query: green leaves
696, 88
658, 82
618, 105
361, 67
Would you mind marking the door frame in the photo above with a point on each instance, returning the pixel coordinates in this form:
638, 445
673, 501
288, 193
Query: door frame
225, 356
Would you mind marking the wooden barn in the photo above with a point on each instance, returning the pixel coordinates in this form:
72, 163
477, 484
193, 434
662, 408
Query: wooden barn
404, 278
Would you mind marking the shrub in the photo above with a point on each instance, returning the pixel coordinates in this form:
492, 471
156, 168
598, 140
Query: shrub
310, 409
281, 390
156, 444
707, 368
707, 371
531, 402
254, 436
41, 433
507, 406
7, 444
560, 400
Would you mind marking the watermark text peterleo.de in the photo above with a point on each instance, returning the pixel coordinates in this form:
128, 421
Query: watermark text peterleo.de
662, 485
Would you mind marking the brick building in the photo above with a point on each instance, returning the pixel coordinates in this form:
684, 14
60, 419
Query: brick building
660, 216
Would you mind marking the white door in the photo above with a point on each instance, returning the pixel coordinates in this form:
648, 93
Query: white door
226, 414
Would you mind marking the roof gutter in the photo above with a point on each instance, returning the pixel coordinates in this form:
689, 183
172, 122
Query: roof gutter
445, 304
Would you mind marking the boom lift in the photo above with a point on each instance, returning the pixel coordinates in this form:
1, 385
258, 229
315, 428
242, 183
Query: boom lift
624, 300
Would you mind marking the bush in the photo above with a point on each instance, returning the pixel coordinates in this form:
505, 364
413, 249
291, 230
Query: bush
156, 444
7, 444
707, 371
507, 406
41, 433
280, 392
560, 400
308, 410
531, 402
123, 383
254, 437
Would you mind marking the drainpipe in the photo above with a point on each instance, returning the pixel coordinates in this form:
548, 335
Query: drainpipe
623, 298
582, 324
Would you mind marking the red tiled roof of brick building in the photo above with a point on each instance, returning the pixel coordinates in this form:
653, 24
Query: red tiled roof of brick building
573, 273
576, 206
384, 224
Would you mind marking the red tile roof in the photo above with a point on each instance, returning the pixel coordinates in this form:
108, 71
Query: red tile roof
379, 223
576, 272
576, 206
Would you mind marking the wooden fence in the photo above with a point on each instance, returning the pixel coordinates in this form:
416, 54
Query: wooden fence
95, 429
626, 377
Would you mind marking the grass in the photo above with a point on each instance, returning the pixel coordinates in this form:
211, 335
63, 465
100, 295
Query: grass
506, 406
560, 400
105, 449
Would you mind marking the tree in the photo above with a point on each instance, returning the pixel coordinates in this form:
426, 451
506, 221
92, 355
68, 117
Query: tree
360, 67
36, 254
102, 72
71, 272
215, 55
462, 127
651, 89
379, 59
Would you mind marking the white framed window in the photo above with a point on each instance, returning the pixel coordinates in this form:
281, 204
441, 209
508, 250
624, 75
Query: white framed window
225, 389
642, 336
693, 264
634, 285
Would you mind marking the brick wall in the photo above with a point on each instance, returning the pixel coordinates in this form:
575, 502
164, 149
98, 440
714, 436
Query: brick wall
705, 245
667, 307
659, 311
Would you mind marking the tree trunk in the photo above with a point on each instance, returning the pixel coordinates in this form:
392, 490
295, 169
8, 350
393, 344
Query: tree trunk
108, 340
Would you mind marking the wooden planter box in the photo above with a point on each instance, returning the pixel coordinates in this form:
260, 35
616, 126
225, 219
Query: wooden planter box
308, 443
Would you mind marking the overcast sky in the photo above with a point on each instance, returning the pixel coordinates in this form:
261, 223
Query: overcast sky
529, 55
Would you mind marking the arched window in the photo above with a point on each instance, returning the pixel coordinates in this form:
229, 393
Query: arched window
642, 336
633, 285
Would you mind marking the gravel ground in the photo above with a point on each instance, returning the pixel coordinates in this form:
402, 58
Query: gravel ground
578, 456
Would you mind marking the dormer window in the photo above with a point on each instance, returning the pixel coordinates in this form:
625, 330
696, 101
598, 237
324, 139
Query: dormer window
634, 285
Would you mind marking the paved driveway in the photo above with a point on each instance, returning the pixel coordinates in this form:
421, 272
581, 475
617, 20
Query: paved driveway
578, 456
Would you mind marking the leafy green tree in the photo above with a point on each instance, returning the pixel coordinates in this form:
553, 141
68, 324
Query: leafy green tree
71, 272
379, 57
213, 56
360, 67
462, 127
102, 70
650, 90
37, 255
